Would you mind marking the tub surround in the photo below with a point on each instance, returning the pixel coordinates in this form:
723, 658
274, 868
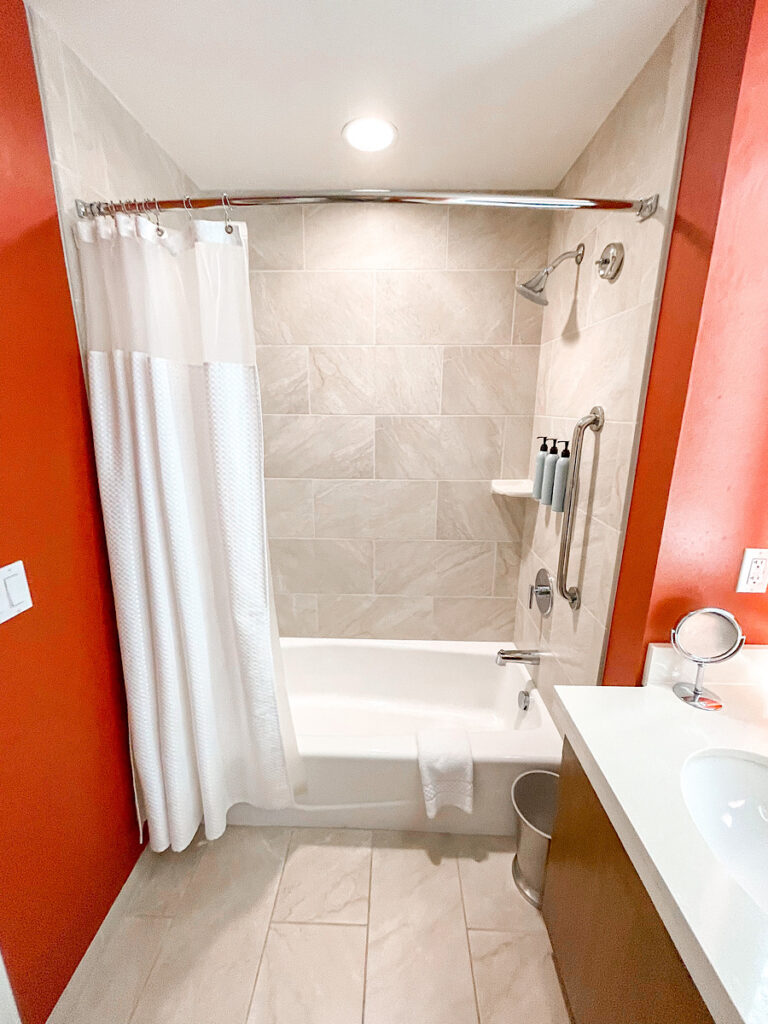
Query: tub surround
596, 342
632, 743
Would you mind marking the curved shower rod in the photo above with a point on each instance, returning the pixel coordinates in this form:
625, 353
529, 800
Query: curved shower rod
643, 208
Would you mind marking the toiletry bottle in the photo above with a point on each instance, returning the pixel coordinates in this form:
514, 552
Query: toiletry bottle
548, 479
538, 469
561, 479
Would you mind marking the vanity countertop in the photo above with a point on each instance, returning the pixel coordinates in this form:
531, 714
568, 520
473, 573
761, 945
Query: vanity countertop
632, 743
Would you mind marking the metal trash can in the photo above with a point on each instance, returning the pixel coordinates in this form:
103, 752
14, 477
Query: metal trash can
534, 797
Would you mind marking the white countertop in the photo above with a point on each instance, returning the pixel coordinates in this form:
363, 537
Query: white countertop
632, 743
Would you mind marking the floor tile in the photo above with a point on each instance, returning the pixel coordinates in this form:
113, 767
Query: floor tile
164, 880
208, 964
310, 974
491, 898
118, 974
326, 877
516, 980
418, 961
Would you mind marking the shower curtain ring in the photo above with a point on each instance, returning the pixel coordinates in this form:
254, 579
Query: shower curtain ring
227, 209
188, 208
158, 229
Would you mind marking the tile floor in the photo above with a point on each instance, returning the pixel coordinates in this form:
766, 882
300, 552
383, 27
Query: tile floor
314, 926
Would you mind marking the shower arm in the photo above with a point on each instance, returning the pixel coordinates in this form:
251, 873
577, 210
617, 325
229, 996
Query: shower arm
574, 254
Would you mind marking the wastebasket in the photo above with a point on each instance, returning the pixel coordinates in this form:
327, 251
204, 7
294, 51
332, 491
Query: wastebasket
534, 797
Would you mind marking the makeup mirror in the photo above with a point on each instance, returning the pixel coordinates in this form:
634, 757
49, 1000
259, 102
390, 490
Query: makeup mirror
705, 636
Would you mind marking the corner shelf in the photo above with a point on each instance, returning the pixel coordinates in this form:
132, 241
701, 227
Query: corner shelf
512, 488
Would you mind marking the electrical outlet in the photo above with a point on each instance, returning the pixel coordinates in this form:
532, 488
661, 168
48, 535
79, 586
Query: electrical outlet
753, 577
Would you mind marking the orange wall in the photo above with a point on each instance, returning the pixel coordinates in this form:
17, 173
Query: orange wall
718, 502
707, 153
68, 838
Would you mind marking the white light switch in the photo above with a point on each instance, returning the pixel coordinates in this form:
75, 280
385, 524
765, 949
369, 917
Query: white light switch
753, 577
14, 591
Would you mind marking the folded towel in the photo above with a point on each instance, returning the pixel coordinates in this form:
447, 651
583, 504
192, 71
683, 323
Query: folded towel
445, 763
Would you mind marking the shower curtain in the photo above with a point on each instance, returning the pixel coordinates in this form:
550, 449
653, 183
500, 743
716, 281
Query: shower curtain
175, 407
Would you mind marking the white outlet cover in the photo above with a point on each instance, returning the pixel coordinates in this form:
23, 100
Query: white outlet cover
753, 576
14, 591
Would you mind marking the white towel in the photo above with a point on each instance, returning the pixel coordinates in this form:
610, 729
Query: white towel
445, 763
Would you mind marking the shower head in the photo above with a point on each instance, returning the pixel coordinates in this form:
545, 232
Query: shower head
533, 288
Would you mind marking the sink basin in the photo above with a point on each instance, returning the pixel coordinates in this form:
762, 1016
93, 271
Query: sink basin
726, 792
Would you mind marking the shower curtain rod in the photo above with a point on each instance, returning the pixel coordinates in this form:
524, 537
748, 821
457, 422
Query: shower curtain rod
643, 208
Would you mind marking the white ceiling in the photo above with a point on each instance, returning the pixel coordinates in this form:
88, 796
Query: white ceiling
496, 94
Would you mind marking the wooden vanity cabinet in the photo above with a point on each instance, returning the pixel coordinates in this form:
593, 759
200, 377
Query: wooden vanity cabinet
616, 961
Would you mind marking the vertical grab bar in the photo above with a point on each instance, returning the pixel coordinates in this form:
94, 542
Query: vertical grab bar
594, 421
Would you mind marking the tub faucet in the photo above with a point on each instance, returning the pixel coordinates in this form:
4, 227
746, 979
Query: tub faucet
505, 657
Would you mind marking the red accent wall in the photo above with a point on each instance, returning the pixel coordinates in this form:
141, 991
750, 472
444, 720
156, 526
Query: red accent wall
68, 838
718, 502
699, 512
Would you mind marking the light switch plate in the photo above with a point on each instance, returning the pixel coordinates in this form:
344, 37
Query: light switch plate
753, 577
14, 591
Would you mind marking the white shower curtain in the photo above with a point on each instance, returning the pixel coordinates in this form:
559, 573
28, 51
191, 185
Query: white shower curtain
176, 414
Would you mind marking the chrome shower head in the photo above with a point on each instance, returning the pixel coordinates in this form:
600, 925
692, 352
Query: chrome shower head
533, 288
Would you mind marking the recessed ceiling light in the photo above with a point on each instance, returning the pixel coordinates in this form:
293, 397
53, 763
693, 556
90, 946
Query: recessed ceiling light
370, 134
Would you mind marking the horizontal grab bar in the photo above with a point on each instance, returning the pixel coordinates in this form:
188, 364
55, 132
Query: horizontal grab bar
593, 421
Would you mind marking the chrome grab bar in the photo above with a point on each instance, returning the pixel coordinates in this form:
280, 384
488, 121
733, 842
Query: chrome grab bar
594, 421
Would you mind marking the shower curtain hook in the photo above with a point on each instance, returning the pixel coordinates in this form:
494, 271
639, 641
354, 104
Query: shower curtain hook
188, 208
158, 229
227, 208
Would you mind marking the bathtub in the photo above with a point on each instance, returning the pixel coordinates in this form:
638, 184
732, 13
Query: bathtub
357, 706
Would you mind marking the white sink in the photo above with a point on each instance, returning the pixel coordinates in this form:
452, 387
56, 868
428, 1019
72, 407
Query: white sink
727, 794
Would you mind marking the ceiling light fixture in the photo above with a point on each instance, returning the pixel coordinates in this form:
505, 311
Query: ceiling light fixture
369, 134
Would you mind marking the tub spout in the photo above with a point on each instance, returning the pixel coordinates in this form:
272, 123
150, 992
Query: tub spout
506, 657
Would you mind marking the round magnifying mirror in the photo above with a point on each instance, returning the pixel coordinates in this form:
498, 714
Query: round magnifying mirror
705, 636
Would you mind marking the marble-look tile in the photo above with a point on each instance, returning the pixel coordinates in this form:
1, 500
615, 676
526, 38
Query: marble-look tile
342, 380
310, 974
375, 237
595, 555
313, 308
376, 618
296, 614
520, 447
488, 380
506, 570
466, 510
402, 509
319, 447
207, 965
485, 238
606, 466
450, 307
526, 328
578, 639
322, 566
418, 964
424, 568
290, 511
326, 876
283, 378
382, 379
408, 379
164, 880
474, 618
438, 447
515, 974
275, 237
491, 898
112, 986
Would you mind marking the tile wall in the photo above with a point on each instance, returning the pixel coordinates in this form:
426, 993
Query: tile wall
596, 344
398, 378
98, 150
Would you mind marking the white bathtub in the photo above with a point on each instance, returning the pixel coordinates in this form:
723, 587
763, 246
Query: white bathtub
357, 705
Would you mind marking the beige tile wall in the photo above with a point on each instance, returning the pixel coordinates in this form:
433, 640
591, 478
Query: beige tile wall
596, 344
98, 150
398, 378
